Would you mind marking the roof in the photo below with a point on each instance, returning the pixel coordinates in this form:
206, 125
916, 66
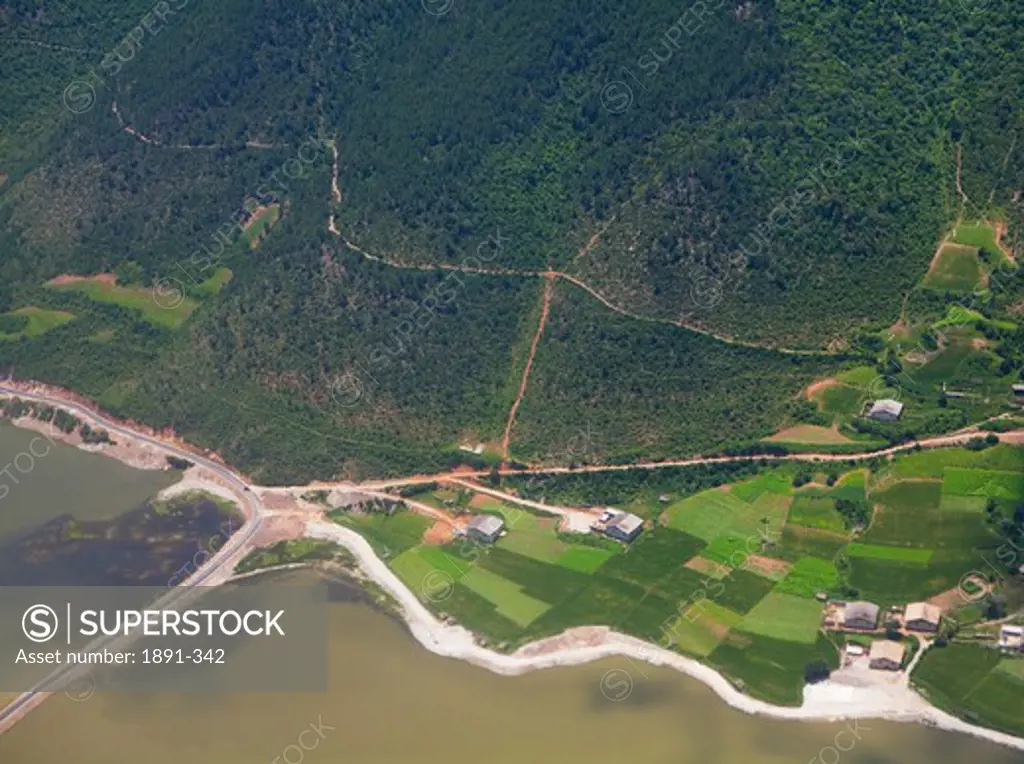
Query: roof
855, 649
922, 611
487, 524
1013, 631
886, 649
867, 611
886, 406
626, 522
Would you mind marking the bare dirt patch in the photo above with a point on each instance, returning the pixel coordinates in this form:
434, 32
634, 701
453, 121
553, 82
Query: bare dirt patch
68, 278
767, 566
708, 567
810, 433
438, 533
277, 528
817, 387
951, 599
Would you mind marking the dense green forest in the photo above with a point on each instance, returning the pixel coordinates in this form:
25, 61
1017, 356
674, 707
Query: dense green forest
775, 172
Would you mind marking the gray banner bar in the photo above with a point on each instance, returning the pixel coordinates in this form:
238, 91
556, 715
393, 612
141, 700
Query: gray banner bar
245, 637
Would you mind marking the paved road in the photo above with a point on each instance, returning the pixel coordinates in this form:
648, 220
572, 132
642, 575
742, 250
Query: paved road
251, 505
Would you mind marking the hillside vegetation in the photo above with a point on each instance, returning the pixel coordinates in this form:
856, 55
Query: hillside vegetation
770, 173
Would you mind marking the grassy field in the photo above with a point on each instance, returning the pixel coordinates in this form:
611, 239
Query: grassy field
390, 535
972, 683
259, 225
809, 576
785, 617
168, 310
992, 483
812, 509
956, 268
770, 669
894, 553
33, 321
976, 235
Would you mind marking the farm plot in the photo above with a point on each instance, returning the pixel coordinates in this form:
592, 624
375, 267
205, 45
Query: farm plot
809, 576
990, 483
972, 683
700, 628
814, 509
956, 268
771, 669
905, 555
785, 617
389, 534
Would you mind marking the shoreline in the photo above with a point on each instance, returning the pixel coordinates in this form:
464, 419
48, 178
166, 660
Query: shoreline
828, 701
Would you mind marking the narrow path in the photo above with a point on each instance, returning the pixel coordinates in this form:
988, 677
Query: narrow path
595, 239
589, 290
545, 308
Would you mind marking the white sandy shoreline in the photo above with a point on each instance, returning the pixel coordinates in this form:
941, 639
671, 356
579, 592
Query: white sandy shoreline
827, 701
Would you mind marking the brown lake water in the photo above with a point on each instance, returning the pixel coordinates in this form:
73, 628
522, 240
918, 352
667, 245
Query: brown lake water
390, 701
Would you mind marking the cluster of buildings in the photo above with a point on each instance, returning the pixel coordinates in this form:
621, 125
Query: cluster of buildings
883, 654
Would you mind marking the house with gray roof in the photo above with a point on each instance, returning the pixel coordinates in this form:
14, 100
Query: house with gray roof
861, 615
886, 410
485, 528
624, 527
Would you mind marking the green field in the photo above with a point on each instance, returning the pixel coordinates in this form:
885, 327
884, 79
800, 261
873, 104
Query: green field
892, 553
972, 683
785, 617
700, 629
809, 576
32, 321
509, 599
811, 509
976, 235
991, 483
956, 269
391, 534
160, 307
770, 669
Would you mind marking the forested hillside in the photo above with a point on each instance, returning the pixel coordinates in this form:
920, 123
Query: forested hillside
769, 173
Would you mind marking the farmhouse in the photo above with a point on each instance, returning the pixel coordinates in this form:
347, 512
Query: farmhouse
1012, 637
860, 615
920, 616
485, 528
624, 527
886, 410
886, 655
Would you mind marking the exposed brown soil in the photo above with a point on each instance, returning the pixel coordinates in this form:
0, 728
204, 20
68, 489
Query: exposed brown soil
767, 566
816, 387
438, 533
68, 278
708, 567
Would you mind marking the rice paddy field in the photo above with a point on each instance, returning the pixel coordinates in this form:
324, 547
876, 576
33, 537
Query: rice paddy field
730, 575
975, 683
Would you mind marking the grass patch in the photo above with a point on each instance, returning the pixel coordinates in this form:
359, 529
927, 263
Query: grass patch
910, 495
705, 515
914, 556
809, 576
653, 556
585, 559
952, 503
816, 511
970, 682
956, 268
260, 223
990, 483
741, 590
977, 235
808, 433
389, 534
508, 598
146, 300
700, 629
785, 617
770, 669
31, 321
